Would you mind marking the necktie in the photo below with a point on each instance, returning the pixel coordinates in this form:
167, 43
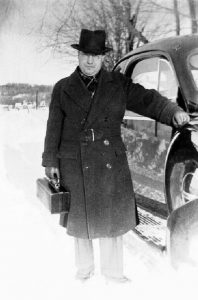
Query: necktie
90, 82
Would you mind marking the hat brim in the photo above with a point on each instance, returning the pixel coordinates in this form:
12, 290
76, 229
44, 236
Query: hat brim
92, 51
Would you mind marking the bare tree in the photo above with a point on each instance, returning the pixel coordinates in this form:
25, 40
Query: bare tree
134, 33
129, 23
180, 12
193, 15
7, 7
116, 17
177, 17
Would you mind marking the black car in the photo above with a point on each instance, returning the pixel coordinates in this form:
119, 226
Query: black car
164, 162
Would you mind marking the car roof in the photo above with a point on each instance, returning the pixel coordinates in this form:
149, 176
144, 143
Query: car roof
169, 44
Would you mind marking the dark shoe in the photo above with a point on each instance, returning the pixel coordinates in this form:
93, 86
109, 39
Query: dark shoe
122, 279
84, 277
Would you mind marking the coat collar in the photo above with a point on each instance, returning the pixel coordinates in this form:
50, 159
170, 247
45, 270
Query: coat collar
76, 89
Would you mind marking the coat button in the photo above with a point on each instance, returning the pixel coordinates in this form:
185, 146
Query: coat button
106, 142
83, 121
108, 165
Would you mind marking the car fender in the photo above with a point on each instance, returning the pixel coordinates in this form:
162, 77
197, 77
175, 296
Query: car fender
184, 140
182, 235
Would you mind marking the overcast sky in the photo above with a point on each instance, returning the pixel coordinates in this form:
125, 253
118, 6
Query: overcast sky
20, 59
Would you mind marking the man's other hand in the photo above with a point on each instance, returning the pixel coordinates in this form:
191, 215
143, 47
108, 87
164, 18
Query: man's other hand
180, 118
52, 173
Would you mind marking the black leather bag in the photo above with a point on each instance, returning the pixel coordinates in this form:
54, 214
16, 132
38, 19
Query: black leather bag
55, 198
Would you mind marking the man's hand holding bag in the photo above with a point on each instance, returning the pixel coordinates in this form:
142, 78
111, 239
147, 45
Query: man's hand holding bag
51, 193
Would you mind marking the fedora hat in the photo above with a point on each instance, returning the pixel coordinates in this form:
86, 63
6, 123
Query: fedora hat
92, 42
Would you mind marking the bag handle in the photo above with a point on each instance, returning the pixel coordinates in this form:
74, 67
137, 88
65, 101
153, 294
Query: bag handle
55, 184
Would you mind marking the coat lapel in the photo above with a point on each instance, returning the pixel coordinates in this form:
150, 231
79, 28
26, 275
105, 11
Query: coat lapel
103, 95
78, 92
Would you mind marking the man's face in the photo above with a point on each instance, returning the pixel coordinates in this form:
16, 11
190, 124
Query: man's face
90, 64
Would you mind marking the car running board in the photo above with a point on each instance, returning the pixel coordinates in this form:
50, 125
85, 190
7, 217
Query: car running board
152, 222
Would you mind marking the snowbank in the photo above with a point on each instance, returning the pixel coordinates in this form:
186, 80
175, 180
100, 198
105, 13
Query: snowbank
36, 255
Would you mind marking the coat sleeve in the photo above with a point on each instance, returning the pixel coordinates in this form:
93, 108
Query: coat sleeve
149, 103
54, 129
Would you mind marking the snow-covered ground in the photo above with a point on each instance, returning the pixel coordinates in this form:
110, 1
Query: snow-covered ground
36, 255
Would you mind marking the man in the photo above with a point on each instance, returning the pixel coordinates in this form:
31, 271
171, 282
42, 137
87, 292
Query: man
83, 147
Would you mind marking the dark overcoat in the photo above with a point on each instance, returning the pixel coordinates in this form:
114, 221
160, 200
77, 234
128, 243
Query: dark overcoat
85, 143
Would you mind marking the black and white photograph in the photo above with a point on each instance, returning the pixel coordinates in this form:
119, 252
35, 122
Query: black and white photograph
98, 149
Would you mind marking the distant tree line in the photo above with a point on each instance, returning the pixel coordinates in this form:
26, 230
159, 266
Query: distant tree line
19, 92
13, 89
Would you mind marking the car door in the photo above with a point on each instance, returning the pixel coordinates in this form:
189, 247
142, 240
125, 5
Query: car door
147, 140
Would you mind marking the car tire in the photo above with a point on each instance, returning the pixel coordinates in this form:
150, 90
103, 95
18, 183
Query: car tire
180, 163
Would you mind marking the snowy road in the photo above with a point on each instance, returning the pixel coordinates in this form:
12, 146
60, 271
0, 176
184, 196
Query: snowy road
36, 255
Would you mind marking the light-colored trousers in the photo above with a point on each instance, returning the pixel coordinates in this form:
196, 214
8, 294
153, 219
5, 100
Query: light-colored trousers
111, 256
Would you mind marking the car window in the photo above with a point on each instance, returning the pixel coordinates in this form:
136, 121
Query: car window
193, 60
167, 85
156, 73
145, 73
